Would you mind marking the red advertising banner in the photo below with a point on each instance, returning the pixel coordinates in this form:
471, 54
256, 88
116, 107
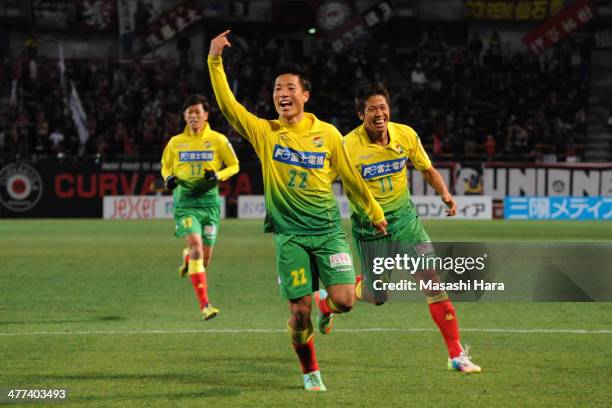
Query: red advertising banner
519, 10
170, 23
568, 21
84, 15
358, 27
72, 190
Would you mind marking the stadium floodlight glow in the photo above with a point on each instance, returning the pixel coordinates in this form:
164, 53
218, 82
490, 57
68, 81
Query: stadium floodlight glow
312, 30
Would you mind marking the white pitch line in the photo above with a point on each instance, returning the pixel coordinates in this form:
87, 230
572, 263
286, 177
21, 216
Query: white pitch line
366, 330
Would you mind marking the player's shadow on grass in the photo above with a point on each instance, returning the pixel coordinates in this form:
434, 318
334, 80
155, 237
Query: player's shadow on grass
209, 393
112, 318
235, 384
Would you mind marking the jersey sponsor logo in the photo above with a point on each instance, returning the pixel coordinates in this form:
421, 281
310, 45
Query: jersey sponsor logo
309, 160
424, 248
341, 259
383, 168
196, 155
210, 230
21, 187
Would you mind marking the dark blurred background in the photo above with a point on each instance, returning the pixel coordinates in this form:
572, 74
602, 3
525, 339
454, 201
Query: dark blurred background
463, 74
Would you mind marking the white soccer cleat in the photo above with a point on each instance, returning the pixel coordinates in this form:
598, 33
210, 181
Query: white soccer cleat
463, 363
313, 382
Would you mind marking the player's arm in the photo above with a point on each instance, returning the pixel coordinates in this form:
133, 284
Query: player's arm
248, 125
357, 189
229, 158
435, 180
421, 162
167, 168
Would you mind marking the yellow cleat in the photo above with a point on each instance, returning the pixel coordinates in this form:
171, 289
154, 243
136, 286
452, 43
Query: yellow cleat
184, 268
210, 312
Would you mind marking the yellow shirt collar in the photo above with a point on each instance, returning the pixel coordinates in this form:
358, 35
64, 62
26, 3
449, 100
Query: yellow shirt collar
365, 139
310, 123
205, 129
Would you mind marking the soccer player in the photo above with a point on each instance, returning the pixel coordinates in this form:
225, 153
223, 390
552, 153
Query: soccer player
379, 149
300, 156
192, 167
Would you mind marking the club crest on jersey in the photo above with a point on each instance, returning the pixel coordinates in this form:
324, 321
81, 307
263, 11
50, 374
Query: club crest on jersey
207, 144
399, 148
317, 141
196, 155
309, 160
341, 259
383, 168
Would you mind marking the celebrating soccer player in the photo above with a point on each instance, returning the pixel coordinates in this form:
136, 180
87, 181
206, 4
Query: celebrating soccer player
300, 156
192, 166
379, 149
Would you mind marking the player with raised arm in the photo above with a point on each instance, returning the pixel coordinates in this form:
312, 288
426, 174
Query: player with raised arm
299, 156
379, 149
193, 164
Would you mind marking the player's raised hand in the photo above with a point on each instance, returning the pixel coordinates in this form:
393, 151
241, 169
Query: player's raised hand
381, 226
451, 204
218, 43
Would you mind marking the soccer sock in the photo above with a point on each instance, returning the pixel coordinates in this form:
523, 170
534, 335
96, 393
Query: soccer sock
198, 279
303, 344
358, 287
327, 307
186, 257
443, 314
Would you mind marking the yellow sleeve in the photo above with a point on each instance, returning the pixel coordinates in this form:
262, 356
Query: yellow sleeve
248, 125
418, 156
229, 158
356, 188
167, 161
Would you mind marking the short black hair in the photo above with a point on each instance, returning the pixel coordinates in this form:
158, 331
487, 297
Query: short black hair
297, 70
196, 99
364, 93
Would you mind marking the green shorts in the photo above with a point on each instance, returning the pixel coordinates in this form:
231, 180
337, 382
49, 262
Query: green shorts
410, 239
201, 221
301, 260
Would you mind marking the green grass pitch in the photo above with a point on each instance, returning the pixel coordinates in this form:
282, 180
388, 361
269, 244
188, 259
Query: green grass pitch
97, 307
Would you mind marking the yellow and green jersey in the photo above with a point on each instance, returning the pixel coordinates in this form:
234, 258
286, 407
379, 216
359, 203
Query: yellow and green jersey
299, 162
188, 155
383, 168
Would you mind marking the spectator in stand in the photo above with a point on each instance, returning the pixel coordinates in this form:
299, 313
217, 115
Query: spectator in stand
475, 48
418, 77
55, 141
490, 146
444, 82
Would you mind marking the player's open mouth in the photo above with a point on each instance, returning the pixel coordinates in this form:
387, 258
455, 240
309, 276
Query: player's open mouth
379, 122
284, 104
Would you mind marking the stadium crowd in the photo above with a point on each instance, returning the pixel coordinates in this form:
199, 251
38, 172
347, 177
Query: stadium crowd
475, 101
